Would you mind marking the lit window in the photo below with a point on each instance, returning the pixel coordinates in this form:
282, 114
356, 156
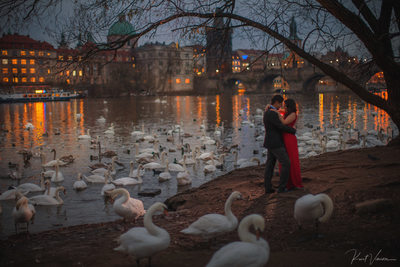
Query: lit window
5, 79
14, 61
187, 80
32, 62
5, 70
60, 57
48, 71
133, 65
68, 81
67, 73
23, 61
178, 80
23, 70
23, 53
33, 70
15, 79
14, 70
80, 58
69, 57
4, 52
49, 54
41, 53
41, 79
80, 73
31, 53
61, 73
4, 61
23, 79
33, 79
74, 73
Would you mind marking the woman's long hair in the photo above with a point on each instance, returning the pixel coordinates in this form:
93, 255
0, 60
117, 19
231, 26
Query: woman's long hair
290, 107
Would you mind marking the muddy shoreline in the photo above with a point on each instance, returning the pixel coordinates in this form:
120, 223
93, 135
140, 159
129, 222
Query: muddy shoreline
349, 177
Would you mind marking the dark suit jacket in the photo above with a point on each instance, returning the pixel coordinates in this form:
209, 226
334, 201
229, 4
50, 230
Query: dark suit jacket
273, 130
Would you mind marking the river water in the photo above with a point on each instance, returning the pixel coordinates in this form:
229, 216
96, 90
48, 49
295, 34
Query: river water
57, 125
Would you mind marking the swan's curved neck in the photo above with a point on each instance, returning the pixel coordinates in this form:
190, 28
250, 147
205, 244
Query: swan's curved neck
42, 182
148, 223
125, 196
244, 234
58, 198
131, 169
228, 210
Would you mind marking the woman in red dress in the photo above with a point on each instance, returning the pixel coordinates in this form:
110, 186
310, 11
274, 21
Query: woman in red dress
289, 118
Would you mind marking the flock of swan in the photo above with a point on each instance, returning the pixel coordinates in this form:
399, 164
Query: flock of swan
251, 250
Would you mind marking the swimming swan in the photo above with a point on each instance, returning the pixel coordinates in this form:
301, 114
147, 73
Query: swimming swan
210, 225
32, 187
144, 242
79, 184
251, 250
48, 200
125, 206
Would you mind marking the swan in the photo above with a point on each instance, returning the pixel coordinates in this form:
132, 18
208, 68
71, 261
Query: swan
252, 162
107, 187
110, 130
57, 176
51, 191
174, 167
125, 206
79, 184
149, 150
188, 161
51, 163
134, 173
213, 224
102, 171
313, 208
210, 167
156, 165
165, 175
29, 126
32, 187
101, 119
12, 194
129, 180
85, 136
144, 242
49, 200
238, 162
95, 178
137, 133
23, 213
219, 163
251, 250
183, 178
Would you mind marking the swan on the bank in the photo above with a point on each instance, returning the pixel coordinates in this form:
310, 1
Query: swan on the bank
252, 162
79, 184
251, 250
85, 136
23, 213
214, 224
313, 208
238, 162
49, 200
125, 206
33, 187
144, 242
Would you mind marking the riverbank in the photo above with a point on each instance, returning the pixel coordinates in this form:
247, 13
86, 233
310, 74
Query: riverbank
349, 177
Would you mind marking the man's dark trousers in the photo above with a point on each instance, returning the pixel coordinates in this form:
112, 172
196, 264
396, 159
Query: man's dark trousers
274, 154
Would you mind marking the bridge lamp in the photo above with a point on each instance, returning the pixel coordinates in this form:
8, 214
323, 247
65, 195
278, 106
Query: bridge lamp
216, 71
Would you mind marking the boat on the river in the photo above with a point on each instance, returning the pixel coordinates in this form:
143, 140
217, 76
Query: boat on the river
41, 94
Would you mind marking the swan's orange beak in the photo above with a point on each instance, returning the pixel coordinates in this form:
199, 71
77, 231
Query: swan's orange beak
258, 234
165, 212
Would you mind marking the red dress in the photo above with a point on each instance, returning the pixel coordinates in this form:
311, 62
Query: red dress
290, 142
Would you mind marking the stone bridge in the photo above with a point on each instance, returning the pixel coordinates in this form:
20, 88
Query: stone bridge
299, 79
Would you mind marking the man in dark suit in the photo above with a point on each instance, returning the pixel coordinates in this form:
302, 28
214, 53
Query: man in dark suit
273, 141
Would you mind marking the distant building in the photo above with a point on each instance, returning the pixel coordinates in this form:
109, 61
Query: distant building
164, 68
219, 47
236, 62
199, 59
251, 59
290, 59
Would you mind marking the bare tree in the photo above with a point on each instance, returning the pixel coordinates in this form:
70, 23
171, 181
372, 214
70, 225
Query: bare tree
370, 27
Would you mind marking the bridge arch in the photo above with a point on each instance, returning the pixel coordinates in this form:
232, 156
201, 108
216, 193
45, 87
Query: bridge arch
309, 85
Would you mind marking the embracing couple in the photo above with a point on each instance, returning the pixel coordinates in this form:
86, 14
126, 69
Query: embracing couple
281, 144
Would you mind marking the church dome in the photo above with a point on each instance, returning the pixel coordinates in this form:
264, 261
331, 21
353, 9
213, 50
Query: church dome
121, 27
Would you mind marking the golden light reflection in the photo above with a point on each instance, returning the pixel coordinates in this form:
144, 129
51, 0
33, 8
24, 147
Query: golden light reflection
217, 110
199, 109
187, 106
321, 111
178, 109
331, 111
39, 121
248, 107
82, 116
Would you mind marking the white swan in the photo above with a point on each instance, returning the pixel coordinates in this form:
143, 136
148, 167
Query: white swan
165, 175
95, 178
11, 194
213, 224
238, 162
183, 178
129, 180
155, 165
252, 162
79, 184
188, 161
313, 208
23, 213
51, 191
125, 206
102, 171
250, 251
85, 136
107, 187
134, 173
57, 176
33, 187
101, 119
144, 242
48, 200
209, 168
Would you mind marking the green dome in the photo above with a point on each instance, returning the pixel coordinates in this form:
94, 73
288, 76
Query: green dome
121, 27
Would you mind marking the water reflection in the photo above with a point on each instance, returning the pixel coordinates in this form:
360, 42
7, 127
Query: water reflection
57, 125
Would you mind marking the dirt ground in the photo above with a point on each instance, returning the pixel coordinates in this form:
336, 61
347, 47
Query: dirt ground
348, 177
